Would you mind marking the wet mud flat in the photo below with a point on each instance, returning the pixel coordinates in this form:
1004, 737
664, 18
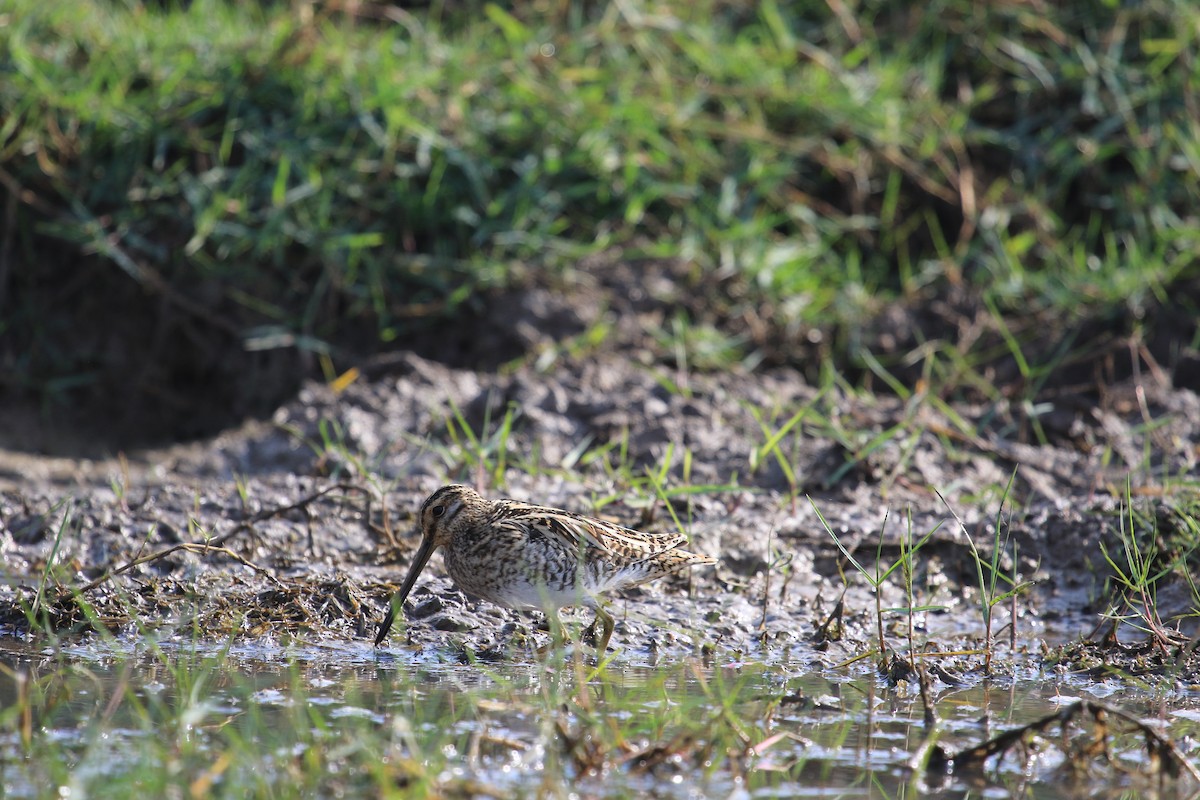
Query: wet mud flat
1007, 553
312, 512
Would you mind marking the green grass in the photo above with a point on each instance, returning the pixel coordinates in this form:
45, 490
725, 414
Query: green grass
313, 179
996, 581
1158, 546
879, 576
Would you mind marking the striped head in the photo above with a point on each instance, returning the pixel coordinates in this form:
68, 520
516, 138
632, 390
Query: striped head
445, 511
444, 514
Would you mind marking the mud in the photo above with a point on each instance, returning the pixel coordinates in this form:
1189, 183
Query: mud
308, 515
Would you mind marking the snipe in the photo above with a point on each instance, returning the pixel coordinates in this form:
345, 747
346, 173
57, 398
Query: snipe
528, 556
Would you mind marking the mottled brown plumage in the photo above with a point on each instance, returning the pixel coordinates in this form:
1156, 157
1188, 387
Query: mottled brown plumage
527, 556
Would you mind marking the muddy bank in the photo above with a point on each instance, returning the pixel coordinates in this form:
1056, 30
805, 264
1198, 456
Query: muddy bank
309, 516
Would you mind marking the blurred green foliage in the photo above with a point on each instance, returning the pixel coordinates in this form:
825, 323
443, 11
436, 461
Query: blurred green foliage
288, 173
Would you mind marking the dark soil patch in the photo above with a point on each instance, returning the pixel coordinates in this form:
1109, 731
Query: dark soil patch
158, 366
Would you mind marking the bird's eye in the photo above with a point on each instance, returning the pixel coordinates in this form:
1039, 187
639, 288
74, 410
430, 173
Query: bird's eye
439, 510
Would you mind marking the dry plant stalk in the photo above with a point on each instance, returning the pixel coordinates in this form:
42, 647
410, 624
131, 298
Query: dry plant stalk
1164, 758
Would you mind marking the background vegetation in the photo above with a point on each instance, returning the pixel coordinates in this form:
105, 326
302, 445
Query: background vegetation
194, 194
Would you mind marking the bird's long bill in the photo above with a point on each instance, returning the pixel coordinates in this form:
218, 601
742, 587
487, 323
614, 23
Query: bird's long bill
397, 601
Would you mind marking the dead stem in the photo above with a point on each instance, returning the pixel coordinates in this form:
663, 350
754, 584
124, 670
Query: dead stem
215, 544
1163, 754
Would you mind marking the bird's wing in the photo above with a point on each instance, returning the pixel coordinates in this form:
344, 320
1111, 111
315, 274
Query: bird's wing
578, 533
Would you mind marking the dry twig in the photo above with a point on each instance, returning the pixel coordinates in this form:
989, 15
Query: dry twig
1163, 756
216, 543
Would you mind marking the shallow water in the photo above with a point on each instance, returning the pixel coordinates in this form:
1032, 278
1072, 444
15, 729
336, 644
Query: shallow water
109, 718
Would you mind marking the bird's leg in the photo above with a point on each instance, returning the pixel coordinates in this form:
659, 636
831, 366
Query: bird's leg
607, 621
590, 631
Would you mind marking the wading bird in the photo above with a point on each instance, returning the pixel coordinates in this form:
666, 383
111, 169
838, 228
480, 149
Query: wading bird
527, 556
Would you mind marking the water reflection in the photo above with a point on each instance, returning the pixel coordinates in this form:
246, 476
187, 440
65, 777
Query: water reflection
339, 718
